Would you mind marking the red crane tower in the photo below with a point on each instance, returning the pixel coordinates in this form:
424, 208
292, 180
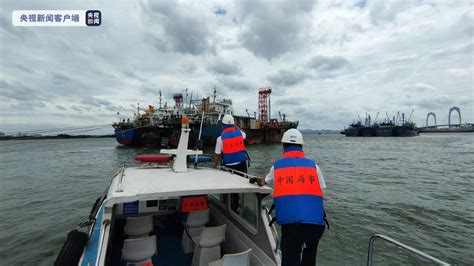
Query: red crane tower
264, 104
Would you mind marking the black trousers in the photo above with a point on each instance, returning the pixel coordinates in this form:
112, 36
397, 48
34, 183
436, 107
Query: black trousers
234, 198
292, 238
242, 167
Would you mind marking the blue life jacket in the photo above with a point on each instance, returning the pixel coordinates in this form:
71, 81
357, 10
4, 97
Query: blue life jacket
297, 194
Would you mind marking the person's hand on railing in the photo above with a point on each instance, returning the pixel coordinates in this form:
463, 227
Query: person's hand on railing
258, 181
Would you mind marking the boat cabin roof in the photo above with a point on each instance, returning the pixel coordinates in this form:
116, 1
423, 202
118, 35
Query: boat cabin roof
144, 183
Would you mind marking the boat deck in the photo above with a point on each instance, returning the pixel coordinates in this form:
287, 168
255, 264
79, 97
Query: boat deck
141, 183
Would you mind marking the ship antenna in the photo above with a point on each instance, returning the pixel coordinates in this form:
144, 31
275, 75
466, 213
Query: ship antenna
199, 140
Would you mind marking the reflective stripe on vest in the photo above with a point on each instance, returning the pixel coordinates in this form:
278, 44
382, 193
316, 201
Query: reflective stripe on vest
233, 148
297, 193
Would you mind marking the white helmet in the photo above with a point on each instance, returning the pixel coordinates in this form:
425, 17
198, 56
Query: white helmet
228, 120
292, 136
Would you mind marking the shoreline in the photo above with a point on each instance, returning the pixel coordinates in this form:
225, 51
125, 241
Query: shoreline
60, 136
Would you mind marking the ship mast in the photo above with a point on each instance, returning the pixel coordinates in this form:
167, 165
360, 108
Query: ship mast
409, 119
186, 101
160, 98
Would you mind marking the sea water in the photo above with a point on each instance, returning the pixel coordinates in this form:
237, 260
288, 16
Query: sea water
418, 190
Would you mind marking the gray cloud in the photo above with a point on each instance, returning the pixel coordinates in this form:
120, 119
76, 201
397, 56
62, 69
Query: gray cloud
222, 67
19, 33
23, 68
418, 87
119, 108
149, 90
232, 84
91, 101
81, 109
130, 73
188, 67
22, 96
220, 11
60, 107
62, 84
292, 101
325, 66
385, 56
30, 105
288, 78
61, 77
270, 30
178, 28
465, 49
387, 11
432, 103
327, 63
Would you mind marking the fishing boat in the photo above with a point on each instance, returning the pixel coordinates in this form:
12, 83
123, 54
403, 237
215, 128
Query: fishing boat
171, 211
396, 127
161, 127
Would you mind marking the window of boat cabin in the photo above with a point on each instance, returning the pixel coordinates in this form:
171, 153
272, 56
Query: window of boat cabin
219, 198
244, 207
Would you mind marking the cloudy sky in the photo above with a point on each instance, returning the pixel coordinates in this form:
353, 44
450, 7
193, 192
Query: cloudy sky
327, 62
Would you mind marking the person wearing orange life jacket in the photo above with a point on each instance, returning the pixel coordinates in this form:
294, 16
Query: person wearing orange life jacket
298, 198
230, 146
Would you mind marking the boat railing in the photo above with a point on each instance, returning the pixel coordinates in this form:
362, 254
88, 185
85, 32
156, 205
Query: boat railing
273, 229
233, 171
105, 223
119, 186
401, 245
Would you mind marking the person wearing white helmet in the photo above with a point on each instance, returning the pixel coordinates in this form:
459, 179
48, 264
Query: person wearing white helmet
298, 198
230, 146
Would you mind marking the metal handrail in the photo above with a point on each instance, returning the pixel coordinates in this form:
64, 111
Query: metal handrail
276, 237
106, 224
233, 171
119, 186
399, 244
